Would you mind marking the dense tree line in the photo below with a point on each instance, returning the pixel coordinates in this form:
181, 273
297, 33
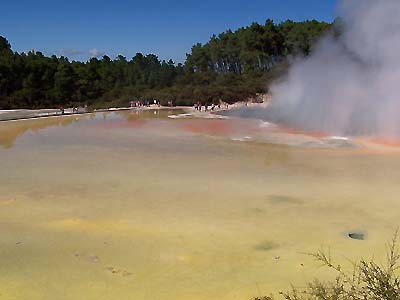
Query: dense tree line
229, 67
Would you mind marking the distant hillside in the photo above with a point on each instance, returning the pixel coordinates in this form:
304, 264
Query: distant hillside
229, 67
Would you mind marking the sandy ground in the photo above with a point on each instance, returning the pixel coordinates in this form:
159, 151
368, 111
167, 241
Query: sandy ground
137, 205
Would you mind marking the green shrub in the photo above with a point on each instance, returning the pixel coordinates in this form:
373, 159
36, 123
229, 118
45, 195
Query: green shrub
367, 280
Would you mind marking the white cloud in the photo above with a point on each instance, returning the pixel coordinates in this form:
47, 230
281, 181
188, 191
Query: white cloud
69, 52
96, 53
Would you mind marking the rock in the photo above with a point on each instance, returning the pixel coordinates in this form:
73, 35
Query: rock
115, 271
126, 273
357, 236
93, 258
89, 258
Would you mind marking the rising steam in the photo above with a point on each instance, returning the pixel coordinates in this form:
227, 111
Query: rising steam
351, 82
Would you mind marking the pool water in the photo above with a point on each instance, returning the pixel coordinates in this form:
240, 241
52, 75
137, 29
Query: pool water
129, 205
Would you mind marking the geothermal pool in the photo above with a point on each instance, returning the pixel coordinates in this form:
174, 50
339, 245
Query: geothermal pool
130, 205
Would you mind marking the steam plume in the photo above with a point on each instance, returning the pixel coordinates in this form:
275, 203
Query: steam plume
351, 83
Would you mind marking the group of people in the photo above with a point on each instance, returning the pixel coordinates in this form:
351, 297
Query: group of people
75, 110
144, 103
199, 106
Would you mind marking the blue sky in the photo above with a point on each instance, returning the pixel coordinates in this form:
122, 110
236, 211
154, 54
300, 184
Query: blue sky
81, 29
